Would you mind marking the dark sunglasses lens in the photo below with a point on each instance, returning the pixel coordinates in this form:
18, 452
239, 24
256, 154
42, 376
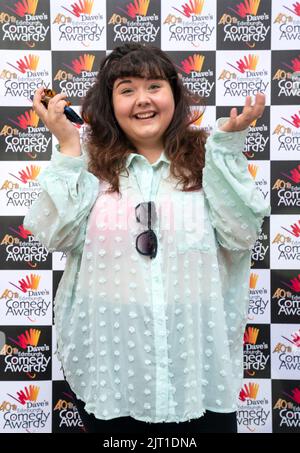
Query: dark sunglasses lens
142, 213
146, 243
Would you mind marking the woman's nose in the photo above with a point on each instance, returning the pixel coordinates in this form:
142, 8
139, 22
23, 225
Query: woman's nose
142, 97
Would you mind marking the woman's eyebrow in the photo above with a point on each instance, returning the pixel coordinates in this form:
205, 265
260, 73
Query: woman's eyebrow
123, 81
147, 78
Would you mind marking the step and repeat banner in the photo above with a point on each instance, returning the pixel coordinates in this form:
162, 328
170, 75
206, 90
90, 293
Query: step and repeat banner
223, 50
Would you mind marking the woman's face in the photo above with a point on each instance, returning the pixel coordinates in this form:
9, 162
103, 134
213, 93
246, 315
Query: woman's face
144, 109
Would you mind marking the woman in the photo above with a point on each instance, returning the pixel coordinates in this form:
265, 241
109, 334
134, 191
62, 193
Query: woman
158, 222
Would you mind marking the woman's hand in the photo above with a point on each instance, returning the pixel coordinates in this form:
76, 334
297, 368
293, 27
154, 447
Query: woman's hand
56, 121
250, 113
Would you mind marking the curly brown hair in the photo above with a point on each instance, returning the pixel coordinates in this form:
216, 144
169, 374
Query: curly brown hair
107, 145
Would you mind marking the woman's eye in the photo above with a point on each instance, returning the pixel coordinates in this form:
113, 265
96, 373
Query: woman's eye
154, 86
127, 90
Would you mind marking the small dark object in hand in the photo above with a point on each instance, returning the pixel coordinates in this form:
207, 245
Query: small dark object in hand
70, 113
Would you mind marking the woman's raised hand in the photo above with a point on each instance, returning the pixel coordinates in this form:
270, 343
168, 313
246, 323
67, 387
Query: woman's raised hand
55, 120
250, 112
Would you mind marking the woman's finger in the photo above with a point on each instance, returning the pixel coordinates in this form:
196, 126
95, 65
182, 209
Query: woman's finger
233, 113
37, 105
248, 101
59, 106
259, 106
53, 101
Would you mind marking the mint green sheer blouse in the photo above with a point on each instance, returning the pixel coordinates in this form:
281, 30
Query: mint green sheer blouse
159, 340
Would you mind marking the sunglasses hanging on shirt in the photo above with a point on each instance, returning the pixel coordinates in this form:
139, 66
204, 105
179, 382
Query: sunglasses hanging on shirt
146, 242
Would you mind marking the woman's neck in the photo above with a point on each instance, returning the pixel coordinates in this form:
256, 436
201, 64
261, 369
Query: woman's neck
151, 155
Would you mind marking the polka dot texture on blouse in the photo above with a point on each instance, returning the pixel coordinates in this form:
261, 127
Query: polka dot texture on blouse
160, 340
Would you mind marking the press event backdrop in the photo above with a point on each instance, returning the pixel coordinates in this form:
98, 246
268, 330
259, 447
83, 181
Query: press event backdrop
223, 50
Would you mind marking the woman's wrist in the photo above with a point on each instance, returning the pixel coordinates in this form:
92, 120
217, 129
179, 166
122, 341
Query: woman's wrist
70, 149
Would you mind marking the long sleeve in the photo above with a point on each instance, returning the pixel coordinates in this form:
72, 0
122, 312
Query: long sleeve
58, 217
236, 207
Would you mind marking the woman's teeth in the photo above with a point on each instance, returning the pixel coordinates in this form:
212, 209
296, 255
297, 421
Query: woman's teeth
143, 116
